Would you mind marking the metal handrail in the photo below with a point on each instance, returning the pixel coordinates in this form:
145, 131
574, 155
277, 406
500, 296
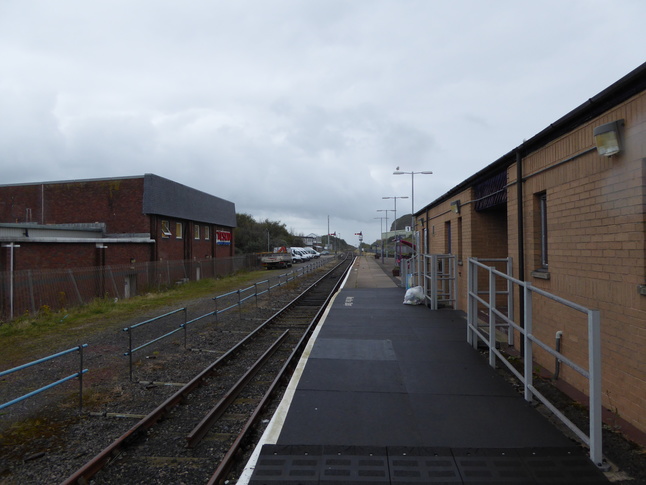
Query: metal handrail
78, 374
593, 373
129, 329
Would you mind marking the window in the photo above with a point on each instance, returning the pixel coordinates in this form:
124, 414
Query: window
196, 232
542, 204
207, 233
179, 230
459, 239
165, 229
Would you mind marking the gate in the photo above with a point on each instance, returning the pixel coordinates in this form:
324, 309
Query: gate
439, 273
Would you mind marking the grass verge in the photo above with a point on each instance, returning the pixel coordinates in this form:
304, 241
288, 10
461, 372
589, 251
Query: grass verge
26, 335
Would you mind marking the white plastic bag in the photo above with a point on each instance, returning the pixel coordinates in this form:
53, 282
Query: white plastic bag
414, 296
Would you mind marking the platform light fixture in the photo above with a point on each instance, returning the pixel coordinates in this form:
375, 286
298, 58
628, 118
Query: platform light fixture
412, 201
607, 138
412, 210
395, 211
455, 206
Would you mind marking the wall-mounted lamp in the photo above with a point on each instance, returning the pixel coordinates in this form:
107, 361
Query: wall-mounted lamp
608, 139
455, 206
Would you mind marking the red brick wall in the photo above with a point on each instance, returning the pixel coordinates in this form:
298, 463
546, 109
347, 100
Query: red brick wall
75, 255
54, 256
117, 202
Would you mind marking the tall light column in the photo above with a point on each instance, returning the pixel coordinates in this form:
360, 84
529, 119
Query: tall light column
387, 228
412, 198
381, 236
395, 198
397, 250
412, 213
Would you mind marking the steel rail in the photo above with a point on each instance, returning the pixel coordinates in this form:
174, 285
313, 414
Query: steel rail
92, 467
229, 459
196, 435
82, 475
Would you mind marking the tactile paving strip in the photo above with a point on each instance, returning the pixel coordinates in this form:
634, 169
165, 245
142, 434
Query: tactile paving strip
422, 465
327, 465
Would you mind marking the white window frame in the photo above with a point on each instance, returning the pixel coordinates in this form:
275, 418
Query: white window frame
165, 229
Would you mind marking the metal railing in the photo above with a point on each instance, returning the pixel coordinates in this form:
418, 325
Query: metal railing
130, 329
506, 294
228, 301
592, 373
439, 274
49, 358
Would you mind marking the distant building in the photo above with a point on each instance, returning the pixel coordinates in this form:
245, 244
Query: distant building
65, 243
312, 240
80, 223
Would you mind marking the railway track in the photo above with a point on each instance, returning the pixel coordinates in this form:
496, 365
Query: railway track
196, 435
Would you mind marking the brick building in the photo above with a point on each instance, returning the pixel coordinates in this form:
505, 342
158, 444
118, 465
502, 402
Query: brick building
110, 223
142, 218
575, 226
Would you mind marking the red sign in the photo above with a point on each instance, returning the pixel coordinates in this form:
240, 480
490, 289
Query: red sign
223, 238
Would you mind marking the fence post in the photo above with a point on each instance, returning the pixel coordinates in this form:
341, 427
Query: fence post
80, 379
129, 350
185, 329
594, 368
32, 300
114, 283
510, 303
492, 319
529, 357
76, 288
434, 264
472, 336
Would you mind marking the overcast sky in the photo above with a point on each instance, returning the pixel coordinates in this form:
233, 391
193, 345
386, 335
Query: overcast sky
296, 110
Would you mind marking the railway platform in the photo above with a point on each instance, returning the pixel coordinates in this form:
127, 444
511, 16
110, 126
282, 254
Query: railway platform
388, 393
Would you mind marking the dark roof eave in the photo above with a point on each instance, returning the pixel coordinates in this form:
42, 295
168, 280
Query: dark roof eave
625, 88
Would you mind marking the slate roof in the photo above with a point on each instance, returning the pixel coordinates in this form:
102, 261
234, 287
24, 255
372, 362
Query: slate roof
168, 198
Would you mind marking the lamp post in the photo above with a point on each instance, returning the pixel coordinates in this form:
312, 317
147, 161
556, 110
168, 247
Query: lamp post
395, 211
397, 251
386, 211
412, 198
412, 207
381, 236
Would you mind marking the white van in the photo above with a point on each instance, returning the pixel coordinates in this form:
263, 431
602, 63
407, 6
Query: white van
313, 252
304, 254
297, 256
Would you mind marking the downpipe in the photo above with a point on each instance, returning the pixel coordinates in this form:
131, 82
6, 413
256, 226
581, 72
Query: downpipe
557, 361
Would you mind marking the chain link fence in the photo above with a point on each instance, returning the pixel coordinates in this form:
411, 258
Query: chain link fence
32, 291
